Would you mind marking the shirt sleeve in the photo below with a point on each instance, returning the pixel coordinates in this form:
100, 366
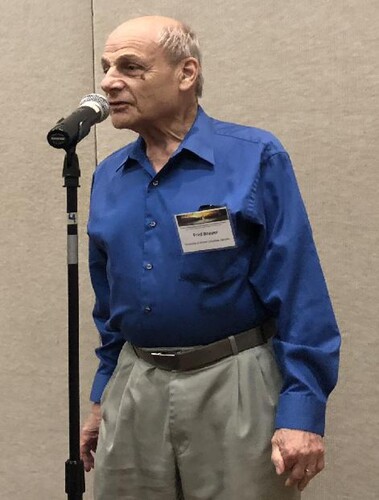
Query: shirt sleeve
289, 281
111, 340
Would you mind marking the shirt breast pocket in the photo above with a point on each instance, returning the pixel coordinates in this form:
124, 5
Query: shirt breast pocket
212, 266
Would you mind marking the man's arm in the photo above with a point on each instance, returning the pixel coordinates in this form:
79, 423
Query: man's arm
289, 280
111, 345
111, 340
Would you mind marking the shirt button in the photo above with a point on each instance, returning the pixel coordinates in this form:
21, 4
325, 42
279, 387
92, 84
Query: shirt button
152, 223
156, 182
147, 309
148, 266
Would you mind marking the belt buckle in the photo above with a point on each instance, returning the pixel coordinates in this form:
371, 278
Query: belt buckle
162, 354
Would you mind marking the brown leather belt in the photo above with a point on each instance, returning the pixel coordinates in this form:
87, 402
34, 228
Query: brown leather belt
205, 355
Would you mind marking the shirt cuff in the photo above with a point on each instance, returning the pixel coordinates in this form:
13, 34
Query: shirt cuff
98, 386
301, 412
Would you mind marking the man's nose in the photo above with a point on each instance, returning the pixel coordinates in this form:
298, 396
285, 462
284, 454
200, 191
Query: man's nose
112, 81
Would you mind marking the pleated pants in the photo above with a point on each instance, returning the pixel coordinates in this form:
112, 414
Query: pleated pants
197, 435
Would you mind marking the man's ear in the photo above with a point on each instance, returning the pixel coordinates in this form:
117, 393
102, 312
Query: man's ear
188, 73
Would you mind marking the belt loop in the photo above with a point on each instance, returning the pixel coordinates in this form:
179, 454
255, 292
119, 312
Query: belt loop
135, 350
268, 329
233, 344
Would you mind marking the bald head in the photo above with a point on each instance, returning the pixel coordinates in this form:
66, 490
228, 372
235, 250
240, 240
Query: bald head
177, 39
149, 26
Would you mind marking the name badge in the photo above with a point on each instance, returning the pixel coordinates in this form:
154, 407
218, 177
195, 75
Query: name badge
208, 229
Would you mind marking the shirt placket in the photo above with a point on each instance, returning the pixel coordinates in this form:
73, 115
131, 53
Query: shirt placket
150, 244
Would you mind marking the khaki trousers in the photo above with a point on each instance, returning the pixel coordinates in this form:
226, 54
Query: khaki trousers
198, 435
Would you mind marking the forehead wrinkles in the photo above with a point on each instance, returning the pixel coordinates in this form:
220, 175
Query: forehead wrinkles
131, 45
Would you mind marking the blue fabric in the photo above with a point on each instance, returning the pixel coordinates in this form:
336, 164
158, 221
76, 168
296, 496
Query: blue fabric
198, 298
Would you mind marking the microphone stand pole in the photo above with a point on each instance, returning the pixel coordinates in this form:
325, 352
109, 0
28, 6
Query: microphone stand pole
74, 467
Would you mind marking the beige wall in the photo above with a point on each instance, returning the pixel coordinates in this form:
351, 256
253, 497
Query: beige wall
306, 70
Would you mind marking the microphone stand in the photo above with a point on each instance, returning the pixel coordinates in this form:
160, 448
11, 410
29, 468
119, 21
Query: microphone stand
65, 135
74, 467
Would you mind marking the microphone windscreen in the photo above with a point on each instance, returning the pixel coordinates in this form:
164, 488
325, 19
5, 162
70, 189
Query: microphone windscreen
99, 103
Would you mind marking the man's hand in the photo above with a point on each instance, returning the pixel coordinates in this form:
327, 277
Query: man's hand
88, 437
299, 452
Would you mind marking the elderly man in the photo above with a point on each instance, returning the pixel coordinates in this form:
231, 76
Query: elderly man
219, 343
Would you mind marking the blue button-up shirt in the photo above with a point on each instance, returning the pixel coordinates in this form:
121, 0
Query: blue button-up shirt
151, 294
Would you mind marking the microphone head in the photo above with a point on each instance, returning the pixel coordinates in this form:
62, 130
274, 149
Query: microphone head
98, 103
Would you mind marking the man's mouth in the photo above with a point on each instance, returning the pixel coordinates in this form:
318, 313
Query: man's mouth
118, 105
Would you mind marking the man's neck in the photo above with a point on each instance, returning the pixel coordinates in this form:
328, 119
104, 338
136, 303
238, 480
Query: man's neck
162, 141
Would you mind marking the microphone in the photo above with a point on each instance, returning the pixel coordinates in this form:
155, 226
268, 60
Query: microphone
93, 108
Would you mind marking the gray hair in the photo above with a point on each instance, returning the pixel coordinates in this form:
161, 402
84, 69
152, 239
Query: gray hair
180, 42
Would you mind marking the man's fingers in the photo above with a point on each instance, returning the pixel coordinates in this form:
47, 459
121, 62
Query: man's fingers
296, 475
89, 436
320, 464
88, 464
301, 475
309, 473
304, 482
87, 457
277, 459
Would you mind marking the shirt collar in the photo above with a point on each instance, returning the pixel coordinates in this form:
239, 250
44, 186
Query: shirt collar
198, 140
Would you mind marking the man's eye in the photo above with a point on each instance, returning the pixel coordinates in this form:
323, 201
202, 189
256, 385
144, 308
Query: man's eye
133, 69
130, 69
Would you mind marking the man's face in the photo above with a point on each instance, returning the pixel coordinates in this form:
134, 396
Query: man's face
140, 83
